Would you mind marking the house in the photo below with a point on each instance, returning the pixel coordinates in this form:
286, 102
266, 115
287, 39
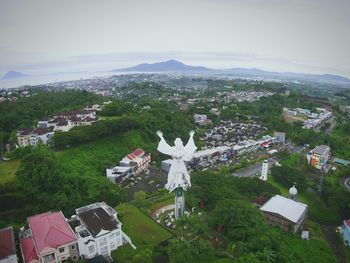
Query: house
98, 230
7, 246
33, 136
345, 231
42, 135
285, 213
23, 137
48, 239
319, 156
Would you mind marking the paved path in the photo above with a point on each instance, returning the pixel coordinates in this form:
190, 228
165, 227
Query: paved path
347, 183
334, 242
160, 210
253, 169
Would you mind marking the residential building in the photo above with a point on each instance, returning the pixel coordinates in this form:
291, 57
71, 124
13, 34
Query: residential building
201, 119
62, 122
138, 160
98, 230
319, 156
345, 232
48, 239
285, 213
33, 136
7, 246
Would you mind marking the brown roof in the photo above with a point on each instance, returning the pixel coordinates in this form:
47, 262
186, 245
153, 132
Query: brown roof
25, 131
97, 219
7, 245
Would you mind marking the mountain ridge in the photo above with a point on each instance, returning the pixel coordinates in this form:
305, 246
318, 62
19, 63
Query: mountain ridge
13, 75
177, 66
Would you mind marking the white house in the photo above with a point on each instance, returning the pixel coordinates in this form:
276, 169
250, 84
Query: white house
98, 230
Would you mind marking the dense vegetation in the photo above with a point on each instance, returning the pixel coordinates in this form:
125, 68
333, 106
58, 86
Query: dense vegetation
234, 227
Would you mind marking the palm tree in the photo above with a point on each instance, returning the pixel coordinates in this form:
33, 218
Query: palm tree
267, 255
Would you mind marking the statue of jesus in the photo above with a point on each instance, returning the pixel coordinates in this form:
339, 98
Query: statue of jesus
178, 176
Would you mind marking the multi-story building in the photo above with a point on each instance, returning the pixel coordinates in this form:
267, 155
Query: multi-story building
48, 239
98, 230
319, 156
33, 136
138, 160
7, 246
285, 213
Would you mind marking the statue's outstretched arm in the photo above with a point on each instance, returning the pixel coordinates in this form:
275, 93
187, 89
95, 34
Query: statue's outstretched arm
163, 147
190, 147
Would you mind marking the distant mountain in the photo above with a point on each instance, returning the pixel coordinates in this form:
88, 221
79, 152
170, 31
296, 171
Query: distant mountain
166, 66
13, 75
329, 78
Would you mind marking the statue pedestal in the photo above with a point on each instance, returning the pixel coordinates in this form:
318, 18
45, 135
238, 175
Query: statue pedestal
179, 202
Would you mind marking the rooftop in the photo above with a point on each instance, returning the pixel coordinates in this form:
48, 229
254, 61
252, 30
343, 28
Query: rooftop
28, 250
321, 149
95, 219
7, 245
288, 208
50, 230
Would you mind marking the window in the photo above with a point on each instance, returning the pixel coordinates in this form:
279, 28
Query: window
117, 233
91, 249
61, 249
72, 247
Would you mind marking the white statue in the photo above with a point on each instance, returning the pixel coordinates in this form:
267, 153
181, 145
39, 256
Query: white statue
178, 175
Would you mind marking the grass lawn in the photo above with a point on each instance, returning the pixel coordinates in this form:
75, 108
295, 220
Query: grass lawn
292, 161
140, 227
8, 170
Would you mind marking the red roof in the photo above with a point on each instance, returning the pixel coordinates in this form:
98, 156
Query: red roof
28, 250
50, 230
7, 246
136, 153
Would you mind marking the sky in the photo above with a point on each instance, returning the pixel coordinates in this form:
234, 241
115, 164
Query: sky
51, 36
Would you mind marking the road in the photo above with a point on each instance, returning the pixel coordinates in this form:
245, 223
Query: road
253, 169
347, 183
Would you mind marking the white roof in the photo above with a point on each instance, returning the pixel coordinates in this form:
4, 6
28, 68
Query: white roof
210, 151
288, 208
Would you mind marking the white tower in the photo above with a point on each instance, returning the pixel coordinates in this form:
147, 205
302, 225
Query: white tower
264, 170
293, 192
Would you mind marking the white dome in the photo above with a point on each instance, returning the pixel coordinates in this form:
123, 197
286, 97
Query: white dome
293, 190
